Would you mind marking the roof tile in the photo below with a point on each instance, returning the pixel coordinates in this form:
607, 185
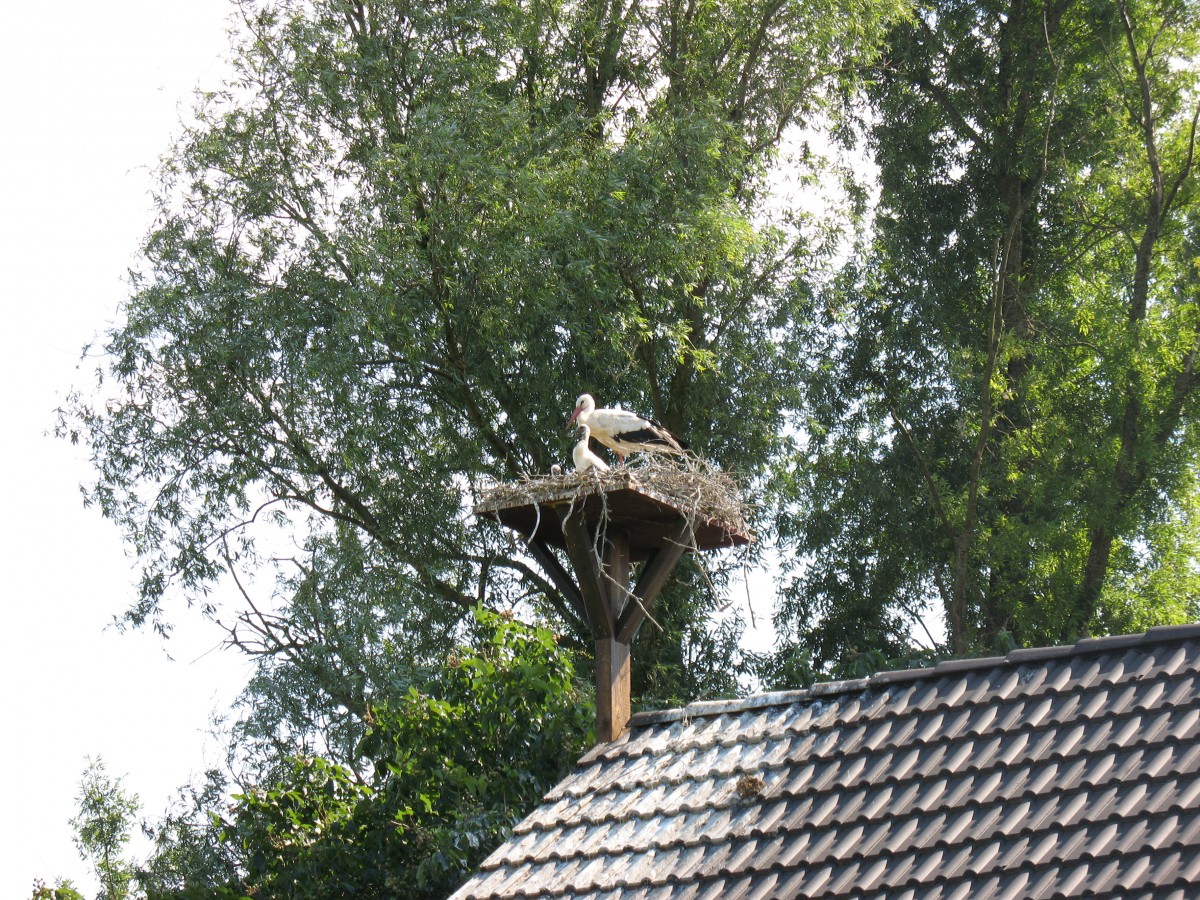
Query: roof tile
1051, 772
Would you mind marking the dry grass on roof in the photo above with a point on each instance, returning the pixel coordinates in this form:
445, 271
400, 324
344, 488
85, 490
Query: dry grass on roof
700, 490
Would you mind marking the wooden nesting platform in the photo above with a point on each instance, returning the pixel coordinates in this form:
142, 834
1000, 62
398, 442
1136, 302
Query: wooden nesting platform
621, 501
606, 522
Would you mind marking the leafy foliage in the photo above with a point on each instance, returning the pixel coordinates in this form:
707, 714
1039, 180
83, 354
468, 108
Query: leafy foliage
1003, 403
102, 827
456, 765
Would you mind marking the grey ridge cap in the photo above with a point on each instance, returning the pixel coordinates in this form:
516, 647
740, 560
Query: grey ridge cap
755, 701
967, 665
1022, 656
1040, 654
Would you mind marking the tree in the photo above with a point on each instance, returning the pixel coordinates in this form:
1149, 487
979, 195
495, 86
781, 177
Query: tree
102, 828
1003, 401
454, 766
1150, 408
388, 256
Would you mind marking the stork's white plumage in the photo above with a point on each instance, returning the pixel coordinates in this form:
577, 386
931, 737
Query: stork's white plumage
582, 455
623, 431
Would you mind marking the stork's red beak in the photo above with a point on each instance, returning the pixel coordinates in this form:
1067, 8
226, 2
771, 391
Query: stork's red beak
574, 416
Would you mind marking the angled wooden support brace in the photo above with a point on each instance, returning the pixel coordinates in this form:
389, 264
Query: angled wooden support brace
559, 576
654, 575
587, 569
616, 569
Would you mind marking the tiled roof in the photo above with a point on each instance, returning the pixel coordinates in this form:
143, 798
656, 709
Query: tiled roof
1060, 772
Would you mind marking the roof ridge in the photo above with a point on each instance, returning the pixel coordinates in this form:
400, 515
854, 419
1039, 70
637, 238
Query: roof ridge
1159, 634
628, 756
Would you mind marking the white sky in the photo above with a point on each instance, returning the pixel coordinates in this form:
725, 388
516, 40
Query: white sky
92, 94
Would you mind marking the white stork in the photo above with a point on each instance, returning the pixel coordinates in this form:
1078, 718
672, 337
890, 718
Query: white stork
582, 455
622, 431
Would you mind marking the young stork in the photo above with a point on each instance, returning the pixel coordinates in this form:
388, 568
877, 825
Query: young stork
624, 432
582, 455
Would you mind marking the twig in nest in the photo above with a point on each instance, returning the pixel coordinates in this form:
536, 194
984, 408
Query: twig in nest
704, 492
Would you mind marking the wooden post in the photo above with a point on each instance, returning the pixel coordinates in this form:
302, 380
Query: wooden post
654, 575
605, 594
612, 689
612, 654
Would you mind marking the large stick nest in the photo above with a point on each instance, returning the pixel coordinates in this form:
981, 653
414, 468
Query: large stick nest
700, 491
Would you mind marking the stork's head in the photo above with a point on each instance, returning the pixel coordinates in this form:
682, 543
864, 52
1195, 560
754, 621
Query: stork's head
583, 407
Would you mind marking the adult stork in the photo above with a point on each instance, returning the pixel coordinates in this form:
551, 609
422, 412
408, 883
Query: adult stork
622, 431
582, 455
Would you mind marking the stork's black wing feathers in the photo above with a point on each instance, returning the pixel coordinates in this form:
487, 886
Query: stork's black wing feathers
655, 434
